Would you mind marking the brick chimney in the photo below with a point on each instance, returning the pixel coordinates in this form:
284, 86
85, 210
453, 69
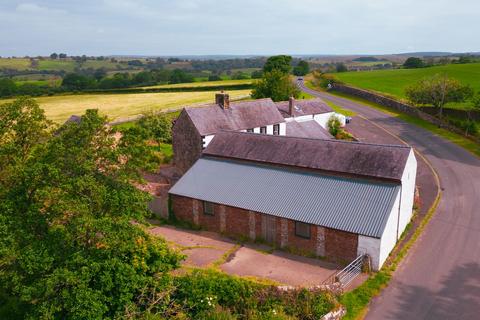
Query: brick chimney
291, 106
223, 100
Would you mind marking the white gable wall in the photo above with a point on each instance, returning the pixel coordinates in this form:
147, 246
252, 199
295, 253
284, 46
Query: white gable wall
408, 191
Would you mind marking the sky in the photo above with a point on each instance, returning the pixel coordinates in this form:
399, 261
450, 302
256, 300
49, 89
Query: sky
246, 27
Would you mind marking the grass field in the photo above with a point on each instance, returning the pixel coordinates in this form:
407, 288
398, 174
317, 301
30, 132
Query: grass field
394, 82
67, 65
117, 106
15, 63
204, 84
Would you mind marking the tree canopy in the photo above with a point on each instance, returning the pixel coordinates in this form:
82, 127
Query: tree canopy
302, 68
437, 91
413, 62
68, 247
280, 62
276, 85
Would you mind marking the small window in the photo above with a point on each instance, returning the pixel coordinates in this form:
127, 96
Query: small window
203, 142
208, 208
250, 130
276, 129
263, 130
302, 230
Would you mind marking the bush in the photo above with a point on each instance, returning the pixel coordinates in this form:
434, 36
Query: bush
334, 125
214, 77
209, 294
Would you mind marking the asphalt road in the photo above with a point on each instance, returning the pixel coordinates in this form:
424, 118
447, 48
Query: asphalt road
440, 276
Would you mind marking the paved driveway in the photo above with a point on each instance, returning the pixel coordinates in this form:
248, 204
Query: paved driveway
440, 276
205, 249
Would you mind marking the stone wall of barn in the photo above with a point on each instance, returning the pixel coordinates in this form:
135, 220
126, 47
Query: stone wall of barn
336, 245
187, 142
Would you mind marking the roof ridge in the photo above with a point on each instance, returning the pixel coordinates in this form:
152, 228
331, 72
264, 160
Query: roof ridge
327, 140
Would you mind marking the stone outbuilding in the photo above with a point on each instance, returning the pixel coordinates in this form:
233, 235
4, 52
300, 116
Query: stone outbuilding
330, 198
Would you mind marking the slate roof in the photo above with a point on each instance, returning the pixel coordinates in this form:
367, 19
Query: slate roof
240, 115
307, 129
335, 156
352, 205
304, 107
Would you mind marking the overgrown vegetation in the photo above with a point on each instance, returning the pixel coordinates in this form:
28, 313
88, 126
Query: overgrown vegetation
210, 294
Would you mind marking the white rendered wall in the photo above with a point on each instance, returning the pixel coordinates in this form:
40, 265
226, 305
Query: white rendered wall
304, 118
408, 191
370, 246
207, 139
270, 129
389, 236
283, 129
379, 249
322, 119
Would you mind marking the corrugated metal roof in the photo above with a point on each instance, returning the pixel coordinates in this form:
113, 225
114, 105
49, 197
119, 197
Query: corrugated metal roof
352, 205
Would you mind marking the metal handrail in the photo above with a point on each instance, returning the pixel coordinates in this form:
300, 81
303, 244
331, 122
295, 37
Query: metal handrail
347, 274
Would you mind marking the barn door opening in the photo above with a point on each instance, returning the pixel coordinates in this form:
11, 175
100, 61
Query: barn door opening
271, 229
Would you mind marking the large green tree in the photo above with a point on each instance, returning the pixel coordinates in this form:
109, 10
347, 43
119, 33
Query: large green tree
437, 91
280, 62
301, 68
275, 85
413, 62
68, 247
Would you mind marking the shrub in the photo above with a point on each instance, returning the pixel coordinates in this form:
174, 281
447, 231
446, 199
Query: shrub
334, 125
157, 127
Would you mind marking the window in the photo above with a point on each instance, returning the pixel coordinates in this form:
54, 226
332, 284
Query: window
203, 142
250, 130
276, 129
208, 208
302, 230
263, 130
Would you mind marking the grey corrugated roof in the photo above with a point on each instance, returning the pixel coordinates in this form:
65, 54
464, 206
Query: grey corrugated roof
336, 156
307, 129
352, 205
240, 115
304, 107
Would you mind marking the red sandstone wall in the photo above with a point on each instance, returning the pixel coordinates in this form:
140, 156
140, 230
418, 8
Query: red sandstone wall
187, 142
339, 245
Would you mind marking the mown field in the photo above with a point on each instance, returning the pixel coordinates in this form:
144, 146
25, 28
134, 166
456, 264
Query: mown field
118, 106
394, 82
203, 84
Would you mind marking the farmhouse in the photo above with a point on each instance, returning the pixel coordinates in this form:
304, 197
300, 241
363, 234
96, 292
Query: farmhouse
196, 127
328, 197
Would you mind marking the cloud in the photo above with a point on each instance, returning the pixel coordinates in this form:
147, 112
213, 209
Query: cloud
233, 27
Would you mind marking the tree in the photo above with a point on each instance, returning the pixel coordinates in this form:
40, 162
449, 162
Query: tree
7, 87
341, 67
413, 62
214, 77
301, 68
54, 56
438, 91
180, 76
280, 62
275, 85
257, 74
239, 76
67, 245
62, 55
157, 127
100, 73
75, 81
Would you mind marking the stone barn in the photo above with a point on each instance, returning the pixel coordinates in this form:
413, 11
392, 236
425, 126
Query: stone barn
331, 198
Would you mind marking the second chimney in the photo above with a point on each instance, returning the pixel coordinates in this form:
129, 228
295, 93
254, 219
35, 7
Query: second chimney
223, 100
291, 102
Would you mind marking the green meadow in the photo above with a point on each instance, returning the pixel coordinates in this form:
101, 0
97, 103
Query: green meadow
393, 82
